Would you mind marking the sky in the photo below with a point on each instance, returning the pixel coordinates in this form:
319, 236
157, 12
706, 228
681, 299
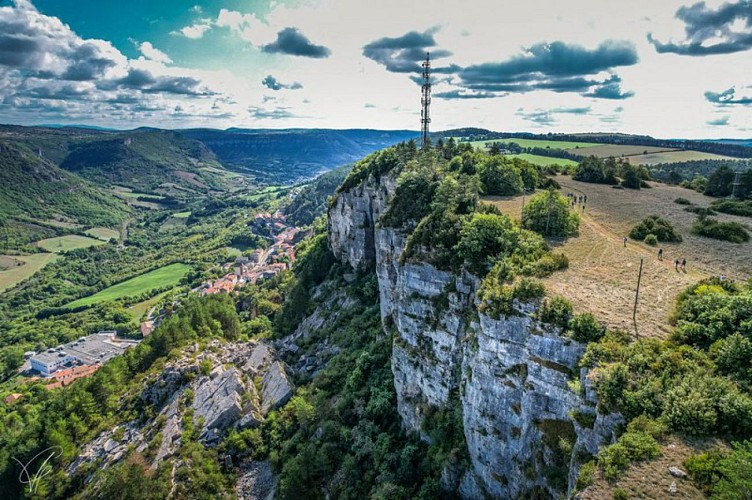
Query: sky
668, 68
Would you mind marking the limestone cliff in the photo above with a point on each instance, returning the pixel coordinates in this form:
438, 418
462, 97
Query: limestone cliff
529, 415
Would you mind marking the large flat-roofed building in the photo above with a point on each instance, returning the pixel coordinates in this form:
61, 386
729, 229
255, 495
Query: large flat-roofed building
94, 349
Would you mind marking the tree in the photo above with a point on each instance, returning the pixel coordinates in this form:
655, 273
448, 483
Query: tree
495, 149
500, 177
484, 239
720, 182
548, 213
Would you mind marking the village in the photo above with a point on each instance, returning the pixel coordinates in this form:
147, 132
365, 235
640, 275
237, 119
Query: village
261, 263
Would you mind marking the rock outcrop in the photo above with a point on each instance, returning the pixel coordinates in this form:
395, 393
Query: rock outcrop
515, 378
224, 397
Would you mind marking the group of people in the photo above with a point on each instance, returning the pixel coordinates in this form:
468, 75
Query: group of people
575, 199
677, 263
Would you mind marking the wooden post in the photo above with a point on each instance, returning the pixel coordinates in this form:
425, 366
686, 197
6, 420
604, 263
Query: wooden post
637, 295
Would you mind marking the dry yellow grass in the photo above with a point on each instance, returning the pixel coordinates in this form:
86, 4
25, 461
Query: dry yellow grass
651, 479
602, 274
11, 273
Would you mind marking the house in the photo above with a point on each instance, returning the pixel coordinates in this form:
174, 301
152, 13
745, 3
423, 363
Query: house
91, 350
65, 377
146, 328
51, 360
12, 398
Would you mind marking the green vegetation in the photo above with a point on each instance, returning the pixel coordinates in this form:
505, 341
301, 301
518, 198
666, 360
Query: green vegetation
720, 230
659, 228
103, 233
62, 244
163, 277
695, 383
548, 214
611, 171
733, 207
311, 201
30, 264
723, 474
682, 201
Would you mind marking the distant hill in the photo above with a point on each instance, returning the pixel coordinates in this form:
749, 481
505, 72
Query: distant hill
284, 156
35, 195
736, 142
142, 159
312, 199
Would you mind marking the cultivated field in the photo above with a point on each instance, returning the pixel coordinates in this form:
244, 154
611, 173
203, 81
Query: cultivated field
543, 161
536, 143
12, 273
617, 150
103, 233
602, 274
69, 242
166, 276
674, 156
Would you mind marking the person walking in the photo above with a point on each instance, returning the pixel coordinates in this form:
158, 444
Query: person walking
684, 265
676, 265
625, 242
660, 254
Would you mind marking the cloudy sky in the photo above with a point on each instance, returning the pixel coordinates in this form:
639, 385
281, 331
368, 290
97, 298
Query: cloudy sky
668, 68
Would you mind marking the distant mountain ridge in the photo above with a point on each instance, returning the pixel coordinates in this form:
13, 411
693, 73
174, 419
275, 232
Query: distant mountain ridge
284, 155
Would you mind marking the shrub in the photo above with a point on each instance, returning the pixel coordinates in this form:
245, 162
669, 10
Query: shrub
682, 201
703, 468
701, 211
733, 207
484, 239
651, 240
586, 476
548, 264
500, 177
556, 311
655, 428
725, 231
733, 355
621, 494
660, 228
585, 328
631, 447
585, 419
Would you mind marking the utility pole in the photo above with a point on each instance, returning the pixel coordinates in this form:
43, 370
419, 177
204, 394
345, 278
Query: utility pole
637, 295
425, 101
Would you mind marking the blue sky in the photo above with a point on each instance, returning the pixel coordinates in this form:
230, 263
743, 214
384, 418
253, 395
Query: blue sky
671, 68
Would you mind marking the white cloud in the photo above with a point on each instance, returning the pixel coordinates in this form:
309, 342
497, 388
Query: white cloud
153, 53
194, 31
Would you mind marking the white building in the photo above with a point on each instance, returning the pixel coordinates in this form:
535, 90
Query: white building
94, 349
49, 361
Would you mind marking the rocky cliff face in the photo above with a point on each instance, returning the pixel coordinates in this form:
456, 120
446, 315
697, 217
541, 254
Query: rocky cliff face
529, 416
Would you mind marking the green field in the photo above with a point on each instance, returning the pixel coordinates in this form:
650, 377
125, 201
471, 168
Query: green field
123, 193
182, 215
543, 161
674, 156
537, 143
158, 278
15, 274
138, 310
69, 242
103, 233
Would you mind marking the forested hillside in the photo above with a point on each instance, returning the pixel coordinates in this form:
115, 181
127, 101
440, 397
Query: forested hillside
283, 156
312, 199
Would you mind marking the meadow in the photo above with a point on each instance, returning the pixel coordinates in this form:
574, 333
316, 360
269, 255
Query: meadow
674, 156
11, 273
617, 150
166, 276
602, 273
61, 244
543, 161
103, 233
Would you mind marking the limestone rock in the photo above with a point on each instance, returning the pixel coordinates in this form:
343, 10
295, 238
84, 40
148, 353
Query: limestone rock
276, 388
677, 472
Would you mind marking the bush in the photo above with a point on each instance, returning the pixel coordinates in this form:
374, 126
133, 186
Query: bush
500, 177
484, 239
556, 311
548, 264
631, 447
725, 231
660, 228
733, 207
621, 494
682, 201
585, 328
651, 240
586, 475
701, 211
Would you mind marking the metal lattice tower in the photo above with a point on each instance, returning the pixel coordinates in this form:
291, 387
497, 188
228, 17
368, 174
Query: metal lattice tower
736, 184
425, 101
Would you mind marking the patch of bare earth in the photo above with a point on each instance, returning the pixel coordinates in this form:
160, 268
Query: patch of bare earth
190, 178
602, 274
652, 479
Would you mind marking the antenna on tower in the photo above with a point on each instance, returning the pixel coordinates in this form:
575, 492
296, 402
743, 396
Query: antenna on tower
425, 101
